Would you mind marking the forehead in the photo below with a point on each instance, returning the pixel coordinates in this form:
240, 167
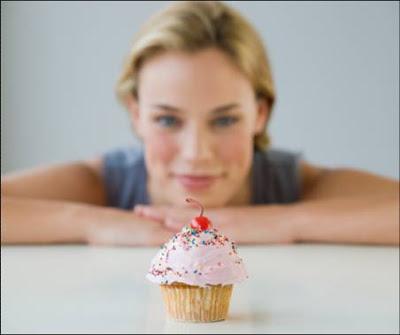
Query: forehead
204, 77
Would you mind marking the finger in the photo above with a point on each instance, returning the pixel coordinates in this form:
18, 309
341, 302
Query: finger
160, 237
142, 209
155, 213
138, 209
174, 224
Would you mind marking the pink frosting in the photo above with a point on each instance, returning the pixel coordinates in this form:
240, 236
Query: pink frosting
197, 258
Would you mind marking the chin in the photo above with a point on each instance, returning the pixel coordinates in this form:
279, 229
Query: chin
217, 195
207, 199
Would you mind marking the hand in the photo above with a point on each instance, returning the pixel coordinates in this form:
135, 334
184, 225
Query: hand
246, 225
173, 218
121, 228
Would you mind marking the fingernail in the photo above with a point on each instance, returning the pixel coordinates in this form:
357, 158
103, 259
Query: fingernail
138, 209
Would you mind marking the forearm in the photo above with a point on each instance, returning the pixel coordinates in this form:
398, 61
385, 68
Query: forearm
359, 220
261, 224
35, 221
366, 220
25, 220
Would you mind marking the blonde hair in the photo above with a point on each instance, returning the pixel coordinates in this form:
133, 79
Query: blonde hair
191, 26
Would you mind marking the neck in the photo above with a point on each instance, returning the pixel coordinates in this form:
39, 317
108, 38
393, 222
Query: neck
243, 196
154, 195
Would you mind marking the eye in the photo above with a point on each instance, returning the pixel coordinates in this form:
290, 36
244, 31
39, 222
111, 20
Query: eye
224, 121
167, 121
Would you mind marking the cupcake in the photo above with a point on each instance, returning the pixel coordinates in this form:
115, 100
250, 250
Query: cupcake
196, 271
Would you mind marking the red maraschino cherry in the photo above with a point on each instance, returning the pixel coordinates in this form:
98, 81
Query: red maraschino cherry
199, 222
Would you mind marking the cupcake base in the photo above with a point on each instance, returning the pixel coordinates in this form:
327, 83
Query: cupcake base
196, 304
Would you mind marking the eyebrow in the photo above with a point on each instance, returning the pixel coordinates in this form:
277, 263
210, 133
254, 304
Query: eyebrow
217, 110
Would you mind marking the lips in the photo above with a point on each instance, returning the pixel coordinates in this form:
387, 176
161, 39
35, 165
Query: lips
196, 182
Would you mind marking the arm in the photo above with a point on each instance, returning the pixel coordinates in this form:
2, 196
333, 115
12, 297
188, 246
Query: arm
65, 204
337, 206
349, 206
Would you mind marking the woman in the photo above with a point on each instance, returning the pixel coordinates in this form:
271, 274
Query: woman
199, 91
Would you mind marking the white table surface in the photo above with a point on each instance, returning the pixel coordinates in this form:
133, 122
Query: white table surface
296, 289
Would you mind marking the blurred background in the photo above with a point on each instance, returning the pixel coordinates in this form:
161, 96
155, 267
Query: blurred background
336, 67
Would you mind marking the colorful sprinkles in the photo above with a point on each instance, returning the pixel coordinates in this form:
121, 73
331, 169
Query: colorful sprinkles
187, 239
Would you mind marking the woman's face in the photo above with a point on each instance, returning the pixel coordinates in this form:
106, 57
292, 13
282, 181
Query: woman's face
197, 116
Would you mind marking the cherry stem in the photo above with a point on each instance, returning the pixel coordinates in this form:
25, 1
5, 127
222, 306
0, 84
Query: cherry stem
198, 204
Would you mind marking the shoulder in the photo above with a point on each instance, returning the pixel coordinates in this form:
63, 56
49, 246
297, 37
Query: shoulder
295, 168
123, 157
305, 174
124, 176
279, 158
276, 176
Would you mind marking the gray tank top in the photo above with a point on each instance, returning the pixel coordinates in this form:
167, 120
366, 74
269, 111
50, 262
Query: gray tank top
276, 177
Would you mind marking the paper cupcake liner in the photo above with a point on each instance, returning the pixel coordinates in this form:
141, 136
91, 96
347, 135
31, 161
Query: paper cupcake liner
196, 304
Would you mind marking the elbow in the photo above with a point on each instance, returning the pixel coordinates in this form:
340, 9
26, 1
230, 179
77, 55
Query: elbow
4, 186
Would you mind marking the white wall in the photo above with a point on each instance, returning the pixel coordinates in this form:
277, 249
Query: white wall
336, 67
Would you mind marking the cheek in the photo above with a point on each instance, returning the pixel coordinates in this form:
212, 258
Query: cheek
236, 149
160, 149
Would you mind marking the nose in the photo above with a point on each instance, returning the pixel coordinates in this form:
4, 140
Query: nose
196, 144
